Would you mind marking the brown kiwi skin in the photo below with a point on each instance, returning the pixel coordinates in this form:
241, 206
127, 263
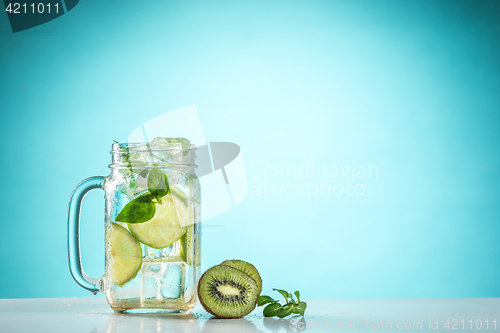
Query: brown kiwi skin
210, 311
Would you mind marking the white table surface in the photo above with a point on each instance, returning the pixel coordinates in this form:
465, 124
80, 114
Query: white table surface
92, 315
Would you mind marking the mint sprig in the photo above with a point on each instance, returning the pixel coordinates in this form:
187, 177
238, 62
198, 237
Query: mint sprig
158, 183
143, 208
140, 209
274, 308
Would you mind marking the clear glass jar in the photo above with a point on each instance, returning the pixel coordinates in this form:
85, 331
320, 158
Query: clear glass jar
152, 238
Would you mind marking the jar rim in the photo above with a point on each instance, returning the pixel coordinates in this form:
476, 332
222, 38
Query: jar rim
121, 147
120, 150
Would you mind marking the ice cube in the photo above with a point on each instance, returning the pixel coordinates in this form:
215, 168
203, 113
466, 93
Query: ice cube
151, 282
158, 142
129, 290
173, 283
140, 157
153, 254
169, 150
162, 281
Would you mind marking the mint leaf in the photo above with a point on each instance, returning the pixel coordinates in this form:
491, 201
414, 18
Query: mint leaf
138, 167
185, 144
158, 183
272, 310
264, 300
286, 311
282, 311
140, 209
143, 173
283, 292
126, 158
301, 308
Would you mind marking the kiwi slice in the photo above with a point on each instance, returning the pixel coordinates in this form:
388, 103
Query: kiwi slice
247, 268
227, 292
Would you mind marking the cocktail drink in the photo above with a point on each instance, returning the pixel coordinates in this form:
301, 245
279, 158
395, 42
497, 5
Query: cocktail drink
152, 238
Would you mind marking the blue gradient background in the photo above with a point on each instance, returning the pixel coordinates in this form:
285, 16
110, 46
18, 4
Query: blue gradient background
412, 87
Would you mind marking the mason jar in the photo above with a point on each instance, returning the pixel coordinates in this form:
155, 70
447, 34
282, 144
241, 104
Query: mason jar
152, 229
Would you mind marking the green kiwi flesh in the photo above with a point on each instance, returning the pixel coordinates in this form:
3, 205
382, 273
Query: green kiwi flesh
247, 268
227, 292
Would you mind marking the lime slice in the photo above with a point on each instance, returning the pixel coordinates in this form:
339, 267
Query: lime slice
180, 208
190, 246
179, 194
126, 255
190, 249
166, 226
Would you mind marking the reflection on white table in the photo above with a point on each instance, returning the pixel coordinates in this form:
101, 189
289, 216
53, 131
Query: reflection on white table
93, 315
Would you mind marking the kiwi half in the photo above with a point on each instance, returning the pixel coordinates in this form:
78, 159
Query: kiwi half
247, 268
227, 292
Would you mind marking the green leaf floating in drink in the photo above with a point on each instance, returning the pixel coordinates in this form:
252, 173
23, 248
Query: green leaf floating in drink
158, 183
141, 209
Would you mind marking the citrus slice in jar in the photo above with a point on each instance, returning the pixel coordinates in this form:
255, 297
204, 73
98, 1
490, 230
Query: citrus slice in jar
178, 194
126, 255
190, 246
166, 227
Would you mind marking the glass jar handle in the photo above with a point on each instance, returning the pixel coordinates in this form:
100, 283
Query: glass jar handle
75, 205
